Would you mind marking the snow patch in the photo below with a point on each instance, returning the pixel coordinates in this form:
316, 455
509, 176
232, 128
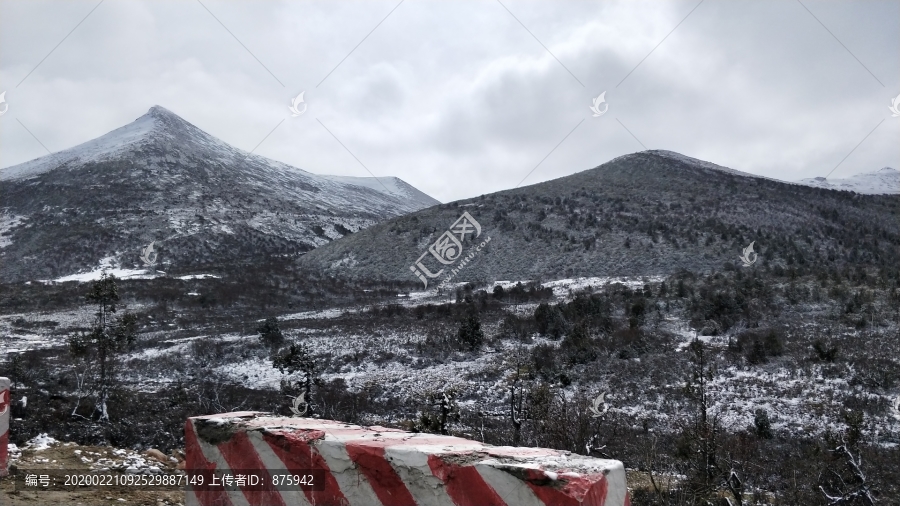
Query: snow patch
7, 223
119, 273
880, 182
199, 276
41, 442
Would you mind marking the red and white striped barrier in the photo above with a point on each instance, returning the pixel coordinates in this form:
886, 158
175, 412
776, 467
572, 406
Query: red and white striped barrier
372, 466
5, 403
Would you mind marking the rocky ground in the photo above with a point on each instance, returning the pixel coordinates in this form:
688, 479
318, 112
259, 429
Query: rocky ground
45, 455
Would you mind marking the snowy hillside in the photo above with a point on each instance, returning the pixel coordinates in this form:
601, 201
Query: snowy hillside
105, 146
647, 213
885, 181
391, 186
201, 201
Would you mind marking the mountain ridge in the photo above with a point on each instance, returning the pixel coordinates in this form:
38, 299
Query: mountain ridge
885, 180
647, 213
160, 178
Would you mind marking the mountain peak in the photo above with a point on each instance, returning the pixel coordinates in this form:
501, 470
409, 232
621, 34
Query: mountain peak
696, 162
168, 120
161, 113
158, 110
158, 124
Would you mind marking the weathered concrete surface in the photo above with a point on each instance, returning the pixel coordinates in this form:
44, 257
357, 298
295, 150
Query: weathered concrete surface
371, 466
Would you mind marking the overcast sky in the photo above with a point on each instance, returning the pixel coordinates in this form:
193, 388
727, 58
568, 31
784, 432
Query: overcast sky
466, 98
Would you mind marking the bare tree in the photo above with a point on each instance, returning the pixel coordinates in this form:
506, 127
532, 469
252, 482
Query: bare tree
847, 482
701, 444
853, 490
444, 402
518, 392
704, 431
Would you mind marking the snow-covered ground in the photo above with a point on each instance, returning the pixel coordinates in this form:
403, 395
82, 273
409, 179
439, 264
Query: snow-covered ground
199, 276
801, 397
879, 182
107, 265
120, 273
801, 401
49, 453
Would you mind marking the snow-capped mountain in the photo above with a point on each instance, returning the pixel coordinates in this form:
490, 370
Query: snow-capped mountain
391, 186
885, 181
204, 203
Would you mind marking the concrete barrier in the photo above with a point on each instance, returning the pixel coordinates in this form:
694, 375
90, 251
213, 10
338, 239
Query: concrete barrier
5, 408
372, 466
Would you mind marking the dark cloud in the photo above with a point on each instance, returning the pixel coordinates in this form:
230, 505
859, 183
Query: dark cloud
457, 98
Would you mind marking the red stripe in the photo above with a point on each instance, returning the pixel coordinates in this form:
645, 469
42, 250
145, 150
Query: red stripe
240, 454
294, 450
4, 456
580, 491
464, 484
196, 464
385, 481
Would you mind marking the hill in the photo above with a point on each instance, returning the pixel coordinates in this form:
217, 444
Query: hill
205, 204
644, 214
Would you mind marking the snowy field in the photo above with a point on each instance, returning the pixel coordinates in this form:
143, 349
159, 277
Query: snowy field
801, 399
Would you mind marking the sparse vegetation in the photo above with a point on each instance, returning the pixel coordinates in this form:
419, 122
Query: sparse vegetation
100, 345
770, 384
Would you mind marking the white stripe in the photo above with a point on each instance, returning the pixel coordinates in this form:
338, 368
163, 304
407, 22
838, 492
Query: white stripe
5, 405
512, 490
271, 461
354, 485
190, 499
411, 465
616, 486
212, 454
424, 487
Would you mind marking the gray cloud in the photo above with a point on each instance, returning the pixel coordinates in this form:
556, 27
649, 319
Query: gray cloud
456, 97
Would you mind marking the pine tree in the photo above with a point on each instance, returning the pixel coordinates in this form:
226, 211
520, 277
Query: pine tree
108, 337
270, 335
470, 333
297, 358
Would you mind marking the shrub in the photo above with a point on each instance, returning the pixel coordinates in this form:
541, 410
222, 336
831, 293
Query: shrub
825, 353
762, 424
269, 333
470, 333
543, 356
578, 346
757, 346
550, 320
